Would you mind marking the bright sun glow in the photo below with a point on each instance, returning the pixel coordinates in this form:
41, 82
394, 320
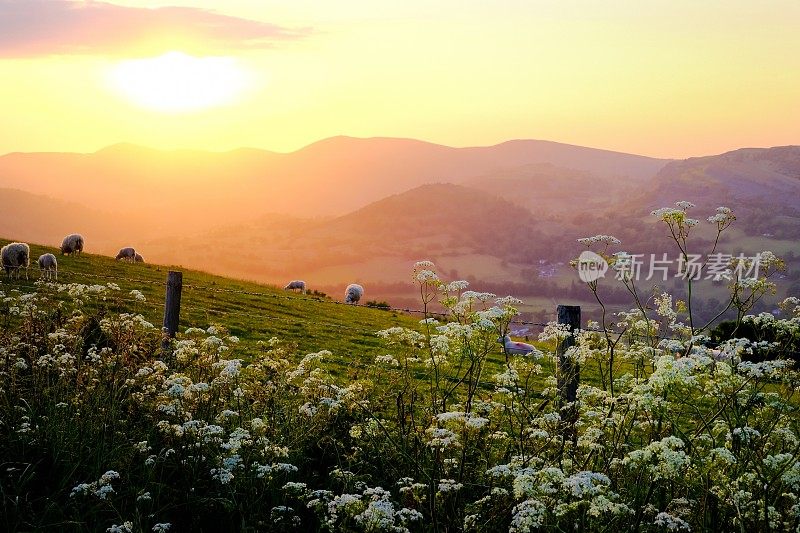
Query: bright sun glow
176, 82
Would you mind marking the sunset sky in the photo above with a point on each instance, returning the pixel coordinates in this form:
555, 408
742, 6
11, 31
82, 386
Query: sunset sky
671, 78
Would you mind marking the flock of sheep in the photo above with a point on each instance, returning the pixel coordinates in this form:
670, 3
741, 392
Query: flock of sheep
352, 294
16, 257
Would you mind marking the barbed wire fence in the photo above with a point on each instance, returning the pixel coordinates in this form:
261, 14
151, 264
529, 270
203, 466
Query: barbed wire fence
568, 316
316, 300
75, 276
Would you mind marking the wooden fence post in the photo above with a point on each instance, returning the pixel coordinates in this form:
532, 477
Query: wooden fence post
568, 374
568, 370
172, 305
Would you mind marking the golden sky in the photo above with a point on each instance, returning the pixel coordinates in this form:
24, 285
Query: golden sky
671, 78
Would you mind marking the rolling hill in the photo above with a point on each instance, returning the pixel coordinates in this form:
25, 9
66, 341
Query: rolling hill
253, 312
463, 229
768, 176
365, 209
329, 177
761, 185
40, 218
281, 210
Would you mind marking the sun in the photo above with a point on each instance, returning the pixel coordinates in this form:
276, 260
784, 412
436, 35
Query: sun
176, 82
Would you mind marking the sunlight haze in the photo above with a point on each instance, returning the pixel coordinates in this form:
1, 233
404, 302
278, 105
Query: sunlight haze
176, 82
419, 266
665, 79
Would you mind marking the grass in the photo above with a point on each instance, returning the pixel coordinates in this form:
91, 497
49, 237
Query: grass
253, 312
312, 322
62, 430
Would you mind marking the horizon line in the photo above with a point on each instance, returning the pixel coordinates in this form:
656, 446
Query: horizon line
380, 137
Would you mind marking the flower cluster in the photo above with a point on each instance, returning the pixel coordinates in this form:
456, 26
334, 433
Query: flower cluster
443, 430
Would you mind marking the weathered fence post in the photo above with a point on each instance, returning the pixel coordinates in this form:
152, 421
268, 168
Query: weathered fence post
568, 370
172, 305
568, 374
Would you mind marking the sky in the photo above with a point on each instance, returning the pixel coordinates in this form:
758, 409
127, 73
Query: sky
674, 78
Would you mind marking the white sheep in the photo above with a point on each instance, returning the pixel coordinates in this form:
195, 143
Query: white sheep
16, 256
516, 348
296, 284
137, 258
128, 254
48, 266
72, 244
353, 293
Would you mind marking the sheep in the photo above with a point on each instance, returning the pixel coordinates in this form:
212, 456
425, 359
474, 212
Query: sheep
128, 254
137, 258
516, 348
296, 284
48, 266
16, 256
353, 293
72, 244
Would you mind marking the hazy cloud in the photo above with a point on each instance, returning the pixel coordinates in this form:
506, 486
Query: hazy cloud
50, 27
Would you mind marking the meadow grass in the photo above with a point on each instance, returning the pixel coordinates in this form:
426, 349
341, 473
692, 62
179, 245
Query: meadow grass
307, 322
427, 429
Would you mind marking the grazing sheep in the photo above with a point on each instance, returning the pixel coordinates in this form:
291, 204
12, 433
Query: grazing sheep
137, 258
16, 256
128, 254
353, 293
72, 244
296, 284
48, 266
516, 348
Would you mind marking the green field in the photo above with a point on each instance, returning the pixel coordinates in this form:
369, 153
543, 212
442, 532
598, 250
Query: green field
103, 429
256, 312
251, 311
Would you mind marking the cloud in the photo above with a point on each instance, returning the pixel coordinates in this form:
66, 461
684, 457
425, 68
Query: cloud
65, 27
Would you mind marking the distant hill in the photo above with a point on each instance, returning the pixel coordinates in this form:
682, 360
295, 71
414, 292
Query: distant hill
762, 185
363, 210
330, 177
766, 176
545, 188
186, 188
38, 218
456, 217
378, 242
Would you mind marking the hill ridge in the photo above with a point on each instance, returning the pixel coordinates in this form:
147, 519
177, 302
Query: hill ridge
338, 138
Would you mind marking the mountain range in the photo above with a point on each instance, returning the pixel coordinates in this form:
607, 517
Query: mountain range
330, 177
347, 209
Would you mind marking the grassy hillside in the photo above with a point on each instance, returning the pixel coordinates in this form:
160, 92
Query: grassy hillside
434, 434
313, 323
511, 231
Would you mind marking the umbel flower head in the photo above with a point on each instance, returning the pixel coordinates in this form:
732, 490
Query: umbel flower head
677, 219
607, 239
425, 274
677, 214
723, 218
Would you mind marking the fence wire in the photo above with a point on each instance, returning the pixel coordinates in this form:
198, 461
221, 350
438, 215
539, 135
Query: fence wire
311, 300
